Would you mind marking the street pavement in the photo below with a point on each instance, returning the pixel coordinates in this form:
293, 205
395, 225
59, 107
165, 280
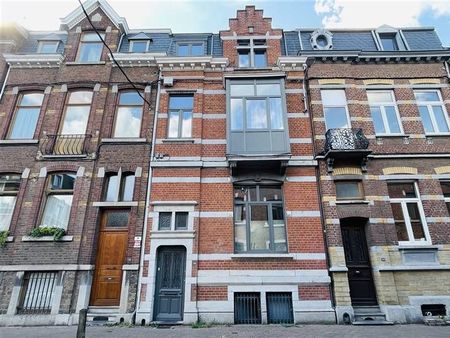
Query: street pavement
232, 331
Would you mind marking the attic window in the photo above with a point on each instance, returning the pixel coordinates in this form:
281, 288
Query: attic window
190, 49
47, 47
139, 46
321, 39
389, 41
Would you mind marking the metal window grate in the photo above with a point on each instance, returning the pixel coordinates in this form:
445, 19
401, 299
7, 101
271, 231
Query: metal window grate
279, 308
433, 310
247, 308
37, 292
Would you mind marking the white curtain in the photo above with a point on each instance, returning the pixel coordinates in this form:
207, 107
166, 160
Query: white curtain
57, 211
6, 211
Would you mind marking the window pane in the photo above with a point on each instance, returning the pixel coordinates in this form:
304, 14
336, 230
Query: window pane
117, 219
197, 50
164, 220
244, 58
426, 120
377, 120
6, 211
260, 59
57, 211
183, 50
389, 42
333, 97
186, 130
75, 120
34, 99
130, 99
242, 90
336, 117
128, 188
279, 230
173, 124
111, 190
256, 114
181, 220
181, 102
47, 47
348, 190
399, 220
139, 46
440, 119
259, 228
416, 222
270, 194
9, 183
401, 190
237, 114
81, 97
276, 113
272, 89
24, 123
391, 116
240, 243
380, 97
128, 122
426, 96
90, 52
62, 181
445, 189
92, 37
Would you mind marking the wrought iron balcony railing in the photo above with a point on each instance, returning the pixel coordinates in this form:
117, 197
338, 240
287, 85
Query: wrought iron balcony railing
345, 139
65, 145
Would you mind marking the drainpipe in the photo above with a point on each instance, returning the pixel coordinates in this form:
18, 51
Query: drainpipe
319, 189
147, 199
120, 42
4, 82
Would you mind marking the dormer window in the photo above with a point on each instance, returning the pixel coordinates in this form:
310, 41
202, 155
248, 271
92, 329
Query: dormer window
252, 53
139, 46
190, 49
47, 47
321, 39
389, 41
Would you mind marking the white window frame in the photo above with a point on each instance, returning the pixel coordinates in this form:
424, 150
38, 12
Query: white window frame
173, 208
179, 113
189, 44
429, 105
382, 105
251, 47
132, 41
42, 42
399, 38
349, 123
403, 202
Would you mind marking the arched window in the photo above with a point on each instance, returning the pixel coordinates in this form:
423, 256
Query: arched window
119, 187
128, 115
9, 187
26, 116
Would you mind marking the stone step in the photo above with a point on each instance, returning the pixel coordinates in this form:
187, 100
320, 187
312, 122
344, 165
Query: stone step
373, 322
103, 310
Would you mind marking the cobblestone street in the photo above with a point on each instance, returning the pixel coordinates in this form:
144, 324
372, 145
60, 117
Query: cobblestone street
236, 331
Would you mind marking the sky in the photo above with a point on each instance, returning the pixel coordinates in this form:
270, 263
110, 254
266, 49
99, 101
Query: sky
212, 16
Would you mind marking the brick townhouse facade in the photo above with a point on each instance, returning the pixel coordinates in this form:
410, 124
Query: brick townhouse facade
74, 149
264, 176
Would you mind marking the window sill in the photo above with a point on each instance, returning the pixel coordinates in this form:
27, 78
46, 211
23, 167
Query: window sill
417, 247
161, 234
391, 136
115, 204
262, 255
437, 135
9, 239
178, 140
124, 140
64, 156
46, 239
14, 142
352, 202
76, 63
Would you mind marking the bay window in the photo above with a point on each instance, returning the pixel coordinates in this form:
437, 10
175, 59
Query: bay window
259, 222
59, 194
409, 216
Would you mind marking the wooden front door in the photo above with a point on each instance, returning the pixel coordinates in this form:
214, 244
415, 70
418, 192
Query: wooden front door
112, 247
362, 288
170, 278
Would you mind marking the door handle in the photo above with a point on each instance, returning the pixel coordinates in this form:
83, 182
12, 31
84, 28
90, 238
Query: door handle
109, 278
357, 272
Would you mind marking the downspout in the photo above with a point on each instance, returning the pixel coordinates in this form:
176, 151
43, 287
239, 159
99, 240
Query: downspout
319, 190
147, 199
4, 81
120, 42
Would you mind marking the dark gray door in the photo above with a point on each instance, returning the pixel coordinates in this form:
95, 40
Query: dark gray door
169, 292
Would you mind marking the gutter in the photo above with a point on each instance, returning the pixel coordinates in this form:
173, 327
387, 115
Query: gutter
147, 199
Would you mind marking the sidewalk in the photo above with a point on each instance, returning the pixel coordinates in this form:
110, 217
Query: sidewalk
234, 331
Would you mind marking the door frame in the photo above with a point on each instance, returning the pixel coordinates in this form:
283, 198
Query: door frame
102, 228
358, 222
157, 278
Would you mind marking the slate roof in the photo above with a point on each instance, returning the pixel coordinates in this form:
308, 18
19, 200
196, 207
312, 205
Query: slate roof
30, 45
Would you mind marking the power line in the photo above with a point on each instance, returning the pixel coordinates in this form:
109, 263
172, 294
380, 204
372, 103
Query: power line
112, 56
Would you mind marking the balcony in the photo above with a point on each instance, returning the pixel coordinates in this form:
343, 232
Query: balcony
346, 145
65, 145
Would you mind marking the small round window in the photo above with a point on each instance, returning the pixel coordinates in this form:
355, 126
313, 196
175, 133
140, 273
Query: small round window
322, 41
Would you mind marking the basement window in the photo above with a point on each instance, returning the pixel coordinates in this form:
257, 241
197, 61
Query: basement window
433, 310
247, 308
